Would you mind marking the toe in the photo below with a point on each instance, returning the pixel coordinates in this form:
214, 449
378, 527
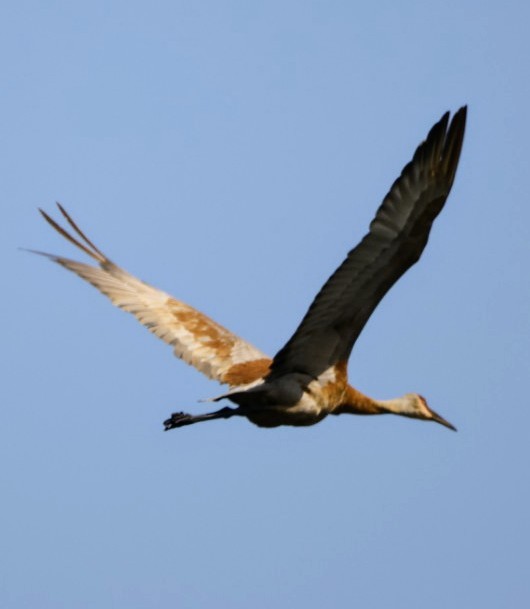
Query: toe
176, 420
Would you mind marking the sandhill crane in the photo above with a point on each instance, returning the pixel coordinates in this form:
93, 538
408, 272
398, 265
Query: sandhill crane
307, 379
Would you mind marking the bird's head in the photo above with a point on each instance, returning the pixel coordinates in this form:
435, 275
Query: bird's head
415, 406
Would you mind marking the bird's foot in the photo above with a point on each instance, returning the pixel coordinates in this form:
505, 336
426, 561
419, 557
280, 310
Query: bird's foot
178, 419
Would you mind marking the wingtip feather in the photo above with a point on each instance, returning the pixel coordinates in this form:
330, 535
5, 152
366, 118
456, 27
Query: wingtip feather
453, 143
91, 250
79, 232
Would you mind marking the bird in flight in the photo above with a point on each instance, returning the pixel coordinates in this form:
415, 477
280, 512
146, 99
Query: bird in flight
307, 379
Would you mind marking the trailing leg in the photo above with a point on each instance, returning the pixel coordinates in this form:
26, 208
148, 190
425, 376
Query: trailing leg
179, 419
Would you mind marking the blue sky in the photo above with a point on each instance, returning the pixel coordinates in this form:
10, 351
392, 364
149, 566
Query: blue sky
231, 153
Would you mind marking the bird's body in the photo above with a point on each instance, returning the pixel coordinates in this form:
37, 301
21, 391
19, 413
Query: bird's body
294, 399
307, 379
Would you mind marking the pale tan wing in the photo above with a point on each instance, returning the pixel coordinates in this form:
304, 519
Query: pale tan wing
195, 338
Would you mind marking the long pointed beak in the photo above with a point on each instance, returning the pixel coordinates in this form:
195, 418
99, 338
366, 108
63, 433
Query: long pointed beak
436, 417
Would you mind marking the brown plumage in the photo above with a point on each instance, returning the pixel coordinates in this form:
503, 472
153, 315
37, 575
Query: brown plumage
307, 379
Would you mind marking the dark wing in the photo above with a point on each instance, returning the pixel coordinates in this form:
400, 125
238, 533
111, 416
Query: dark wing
398, 234
195, 338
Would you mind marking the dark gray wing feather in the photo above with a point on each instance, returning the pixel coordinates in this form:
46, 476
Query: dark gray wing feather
397, 236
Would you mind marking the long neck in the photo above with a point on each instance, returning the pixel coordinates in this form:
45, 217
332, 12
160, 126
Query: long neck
355, 402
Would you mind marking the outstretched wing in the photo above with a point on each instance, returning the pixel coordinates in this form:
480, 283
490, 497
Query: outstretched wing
195, 338
398, 234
